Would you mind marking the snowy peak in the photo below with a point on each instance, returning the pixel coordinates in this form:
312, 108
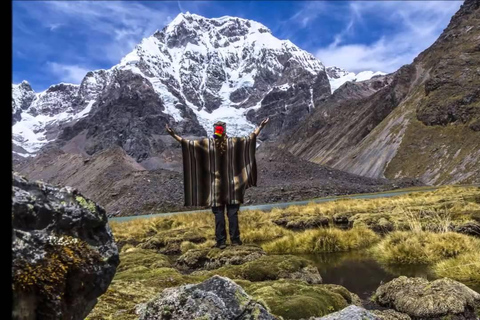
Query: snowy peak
335, 72
225, 26
219, 67
22, 96
338, 76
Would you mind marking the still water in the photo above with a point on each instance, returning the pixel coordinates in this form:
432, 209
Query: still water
361, 274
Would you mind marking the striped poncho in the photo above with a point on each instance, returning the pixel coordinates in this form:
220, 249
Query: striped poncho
212, 178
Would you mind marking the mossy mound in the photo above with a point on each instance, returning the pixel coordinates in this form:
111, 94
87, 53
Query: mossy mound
422, 299
169, 241
301, 222
323, 240
197, 259
293, 299
270, 268
381, 223
465, 268
136, 257
134, 286
402, 247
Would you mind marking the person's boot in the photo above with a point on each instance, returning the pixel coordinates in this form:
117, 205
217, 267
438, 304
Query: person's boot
236, 242
221, 245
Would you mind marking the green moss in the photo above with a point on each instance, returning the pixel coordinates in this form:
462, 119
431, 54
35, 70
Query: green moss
135, 257
323, 240
378, 222
293, 299
87, 204
48, 276
264, 268
174, 237
464, 267
241, 298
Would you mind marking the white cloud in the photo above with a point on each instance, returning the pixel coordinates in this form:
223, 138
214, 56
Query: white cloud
113, 28
68, 73
413, 26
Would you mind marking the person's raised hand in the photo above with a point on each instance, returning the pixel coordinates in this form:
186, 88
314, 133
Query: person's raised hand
264, 122
169, 130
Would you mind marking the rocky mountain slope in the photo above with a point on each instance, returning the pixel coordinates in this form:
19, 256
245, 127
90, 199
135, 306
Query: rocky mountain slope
117, 182
423, 122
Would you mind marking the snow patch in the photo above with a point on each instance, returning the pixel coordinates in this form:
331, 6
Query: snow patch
345, 76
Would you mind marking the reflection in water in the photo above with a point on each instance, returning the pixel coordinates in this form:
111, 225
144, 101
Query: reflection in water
360, 273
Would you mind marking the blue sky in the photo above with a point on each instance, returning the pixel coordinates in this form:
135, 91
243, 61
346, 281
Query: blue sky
60, 41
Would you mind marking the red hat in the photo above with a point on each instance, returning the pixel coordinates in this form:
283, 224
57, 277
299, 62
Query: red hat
219, 131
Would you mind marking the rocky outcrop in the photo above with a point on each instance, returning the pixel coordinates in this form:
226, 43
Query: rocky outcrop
130, 114
349, 313
423, 299
215, 298
471, 228
64, 254
358, 313
428, 108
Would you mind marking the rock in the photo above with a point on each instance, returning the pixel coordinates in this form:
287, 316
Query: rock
197, 259
471, 228
64, 254
390, 315
349, 313
215, 298
301, 222
420, 298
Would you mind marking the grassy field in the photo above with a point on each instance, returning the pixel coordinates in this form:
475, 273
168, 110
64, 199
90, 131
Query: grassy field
415, 228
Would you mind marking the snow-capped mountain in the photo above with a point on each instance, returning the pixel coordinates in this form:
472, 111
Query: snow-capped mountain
22, 97
190, 74
338, 76
220, 68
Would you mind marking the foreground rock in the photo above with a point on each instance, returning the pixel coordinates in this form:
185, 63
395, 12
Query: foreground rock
390, 315
422, 299
198, 259
215, 298
349, 313
471, 228
64, 254
358, 313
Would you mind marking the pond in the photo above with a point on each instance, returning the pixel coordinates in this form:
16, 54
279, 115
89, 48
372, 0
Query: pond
361, 274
